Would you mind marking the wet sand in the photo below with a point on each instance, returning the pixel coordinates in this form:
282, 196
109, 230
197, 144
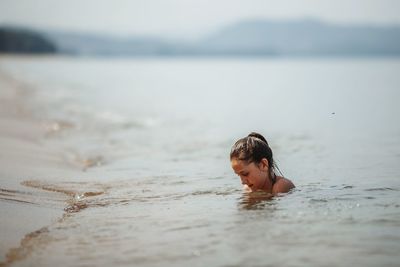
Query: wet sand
23, 156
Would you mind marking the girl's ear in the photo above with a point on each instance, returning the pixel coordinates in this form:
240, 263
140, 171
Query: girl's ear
264, 164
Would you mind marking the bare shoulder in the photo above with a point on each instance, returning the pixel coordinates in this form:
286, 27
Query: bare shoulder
282, 185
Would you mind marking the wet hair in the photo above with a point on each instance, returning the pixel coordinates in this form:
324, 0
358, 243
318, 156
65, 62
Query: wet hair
252, 148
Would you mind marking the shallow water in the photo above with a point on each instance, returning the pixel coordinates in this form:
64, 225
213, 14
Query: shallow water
150, 141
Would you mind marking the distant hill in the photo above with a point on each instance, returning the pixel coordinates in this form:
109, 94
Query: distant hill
305, 37
16, 40
96, 44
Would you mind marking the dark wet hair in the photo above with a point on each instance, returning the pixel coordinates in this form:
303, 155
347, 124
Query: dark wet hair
252, 148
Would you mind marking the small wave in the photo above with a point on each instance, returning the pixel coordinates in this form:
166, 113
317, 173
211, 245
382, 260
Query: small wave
75, 207
216, 178
91, 162
86, 162
56, 126
381, 189
343, 198
13, 197
188, 227
342, 186
380, 221
387, 205
68, 188
22, 196
318, 200
216, 192
206, 192
83, 195
79, 197
348, 187
41, 185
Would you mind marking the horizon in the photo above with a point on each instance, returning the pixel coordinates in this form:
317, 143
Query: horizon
180, 19
177, 38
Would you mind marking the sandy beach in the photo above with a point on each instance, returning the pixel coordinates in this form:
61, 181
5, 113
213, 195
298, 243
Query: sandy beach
23, 157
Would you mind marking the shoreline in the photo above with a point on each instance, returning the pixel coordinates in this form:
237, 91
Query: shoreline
23, 157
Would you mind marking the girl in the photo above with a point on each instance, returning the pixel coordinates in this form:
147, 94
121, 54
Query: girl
251, 159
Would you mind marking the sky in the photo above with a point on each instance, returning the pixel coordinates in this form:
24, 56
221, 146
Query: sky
185, 18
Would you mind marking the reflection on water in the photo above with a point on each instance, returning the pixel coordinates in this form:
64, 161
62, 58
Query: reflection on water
256, 200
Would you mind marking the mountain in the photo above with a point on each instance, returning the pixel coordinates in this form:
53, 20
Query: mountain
96, 44
258, 37
306, 37
17, 40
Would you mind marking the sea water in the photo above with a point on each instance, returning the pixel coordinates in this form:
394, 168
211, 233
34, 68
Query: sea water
150, 141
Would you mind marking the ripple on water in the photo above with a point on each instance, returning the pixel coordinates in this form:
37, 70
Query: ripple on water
381, 189
16, 195
222, 192
79, 193
33, 197
83, 195
318, 200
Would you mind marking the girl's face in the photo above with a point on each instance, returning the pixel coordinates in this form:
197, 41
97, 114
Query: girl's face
255, 176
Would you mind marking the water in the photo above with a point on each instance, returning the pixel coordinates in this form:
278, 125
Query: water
150, 140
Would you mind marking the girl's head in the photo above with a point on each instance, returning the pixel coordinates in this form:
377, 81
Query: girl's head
252, 148
251, 158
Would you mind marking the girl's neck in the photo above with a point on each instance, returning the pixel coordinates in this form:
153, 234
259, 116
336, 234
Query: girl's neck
271, 177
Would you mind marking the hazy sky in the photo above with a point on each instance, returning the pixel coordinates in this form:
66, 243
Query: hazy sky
185, 18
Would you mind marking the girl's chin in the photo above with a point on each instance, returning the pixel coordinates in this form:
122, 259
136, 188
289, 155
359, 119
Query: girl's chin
249, 188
